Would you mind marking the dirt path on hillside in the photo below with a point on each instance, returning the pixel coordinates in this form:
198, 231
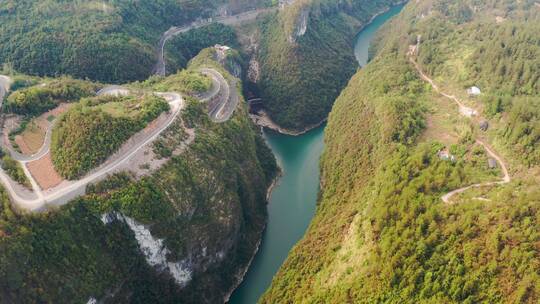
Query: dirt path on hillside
470, 113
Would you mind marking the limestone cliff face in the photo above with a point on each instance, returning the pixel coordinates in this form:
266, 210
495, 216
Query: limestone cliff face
154, 250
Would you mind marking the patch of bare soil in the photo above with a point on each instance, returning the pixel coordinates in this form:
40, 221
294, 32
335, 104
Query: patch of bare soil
44, 173
33, 136
153, 125
42, 123
63, 107
22, 145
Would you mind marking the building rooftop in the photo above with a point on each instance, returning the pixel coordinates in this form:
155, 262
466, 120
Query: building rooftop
474, 91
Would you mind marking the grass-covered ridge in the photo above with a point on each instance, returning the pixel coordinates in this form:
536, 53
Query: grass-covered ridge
94, 129
189, 82
303, 72
382, 233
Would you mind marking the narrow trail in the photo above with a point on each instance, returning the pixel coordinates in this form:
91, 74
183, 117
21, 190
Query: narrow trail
470, 113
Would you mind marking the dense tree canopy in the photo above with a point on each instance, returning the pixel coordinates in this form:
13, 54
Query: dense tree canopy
188, 45
110, 41
302, 76
38, 99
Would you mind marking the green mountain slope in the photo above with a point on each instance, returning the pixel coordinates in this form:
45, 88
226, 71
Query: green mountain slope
497, 50
109, 41
382, 234
306, 57
204, 210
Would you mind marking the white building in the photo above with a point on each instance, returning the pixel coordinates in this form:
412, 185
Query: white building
222, 48
474, 91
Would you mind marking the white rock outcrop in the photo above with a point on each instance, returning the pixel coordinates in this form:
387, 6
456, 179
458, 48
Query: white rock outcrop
153, 249
92, 300
301, 25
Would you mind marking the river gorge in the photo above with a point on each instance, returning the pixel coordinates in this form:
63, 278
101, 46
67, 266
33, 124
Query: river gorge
293, 201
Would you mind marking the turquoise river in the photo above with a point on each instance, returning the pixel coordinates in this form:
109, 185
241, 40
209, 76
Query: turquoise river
293, 201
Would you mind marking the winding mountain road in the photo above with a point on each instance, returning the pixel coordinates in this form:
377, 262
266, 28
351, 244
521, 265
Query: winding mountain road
38, 200
45, 148
222, 100
160, 68
506, 176
467, 112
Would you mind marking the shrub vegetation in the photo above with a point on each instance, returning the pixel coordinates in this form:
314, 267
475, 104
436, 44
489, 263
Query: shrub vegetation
38, 99
90, 132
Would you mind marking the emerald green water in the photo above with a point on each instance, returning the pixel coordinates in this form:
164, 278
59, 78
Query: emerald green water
293, 201
364, 38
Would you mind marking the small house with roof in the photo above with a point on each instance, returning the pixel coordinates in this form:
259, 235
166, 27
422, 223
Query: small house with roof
444, 154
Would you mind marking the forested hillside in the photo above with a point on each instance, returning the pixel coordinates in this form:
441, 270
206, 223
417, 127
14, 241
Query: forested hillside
186, 46
382, 233
306, 57
31, 99
109, 41
200, 215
